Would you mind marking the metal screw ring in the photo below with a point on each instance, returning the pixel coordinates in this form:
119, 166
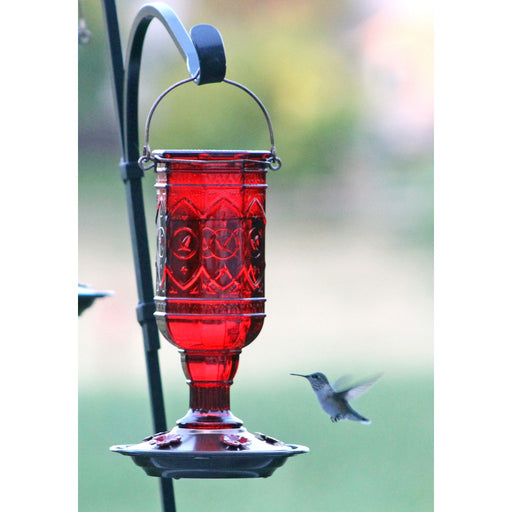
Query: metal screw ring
275, 163
143, 160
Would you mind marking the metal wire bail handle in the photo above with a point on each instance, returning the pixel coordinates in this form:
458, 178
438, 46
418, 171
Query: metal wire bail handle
274, 162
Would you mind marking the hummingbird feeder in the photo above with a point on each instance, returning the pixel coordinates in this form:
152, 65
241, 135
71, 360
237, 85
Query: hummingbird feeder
210, 263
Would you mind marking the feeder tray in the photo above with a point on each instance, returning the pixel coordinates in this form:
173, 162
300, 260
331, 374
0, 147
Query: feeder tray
87, 296
209, 453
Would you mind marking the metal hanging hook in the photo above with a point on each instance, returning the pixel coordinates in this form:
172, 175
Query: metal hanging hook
274, 162
146, 150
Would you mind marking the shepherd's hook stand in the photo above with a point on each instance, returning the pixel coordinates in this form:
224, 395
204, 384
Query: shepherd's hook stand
203, 52
209, 442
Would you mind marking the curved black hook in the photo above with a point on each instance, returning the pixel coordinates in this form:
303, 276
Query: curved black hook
203, 53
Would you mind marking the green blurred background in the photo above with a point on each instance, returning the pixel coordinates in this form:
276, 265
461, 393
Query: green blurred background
349, 281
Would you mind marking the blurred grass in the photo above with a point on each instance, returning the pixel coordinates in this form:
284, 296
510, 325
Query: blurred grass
387, 466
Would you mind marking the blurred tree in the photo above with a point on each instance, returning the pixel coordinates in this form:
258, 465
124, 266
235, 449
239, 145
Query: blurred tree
332, 76
284, 52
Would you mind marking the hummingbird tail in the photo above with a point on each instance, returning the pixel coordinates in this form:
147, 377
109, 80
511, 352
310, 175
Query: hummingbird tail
361, 419
355, 416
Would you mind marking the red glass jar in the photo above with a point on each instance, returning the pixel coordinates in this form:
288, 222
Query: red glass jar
210, 269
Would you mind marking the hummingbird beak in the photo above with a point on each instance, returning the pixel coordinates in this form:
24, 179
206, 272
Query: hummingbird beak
299, 375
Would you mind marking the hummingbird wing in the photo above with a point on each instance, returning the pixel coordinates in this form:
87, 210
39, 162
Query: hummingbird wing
342, 382
357, 390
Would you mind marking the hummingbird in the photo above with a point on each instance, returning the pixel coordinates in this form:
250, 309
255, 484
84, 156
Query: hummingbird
334, 402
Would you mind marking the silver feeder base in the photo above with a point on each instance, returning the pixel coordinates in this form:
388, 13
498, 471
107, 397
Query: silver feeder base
221, 453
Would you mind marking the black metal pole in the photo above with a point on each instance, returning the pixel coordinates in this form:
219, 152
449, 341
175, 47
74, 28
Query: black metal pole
137, 220
204, 54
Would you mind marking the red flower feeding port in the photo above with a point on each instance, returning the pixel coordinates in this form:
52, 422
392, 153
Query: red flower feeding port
209, 299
